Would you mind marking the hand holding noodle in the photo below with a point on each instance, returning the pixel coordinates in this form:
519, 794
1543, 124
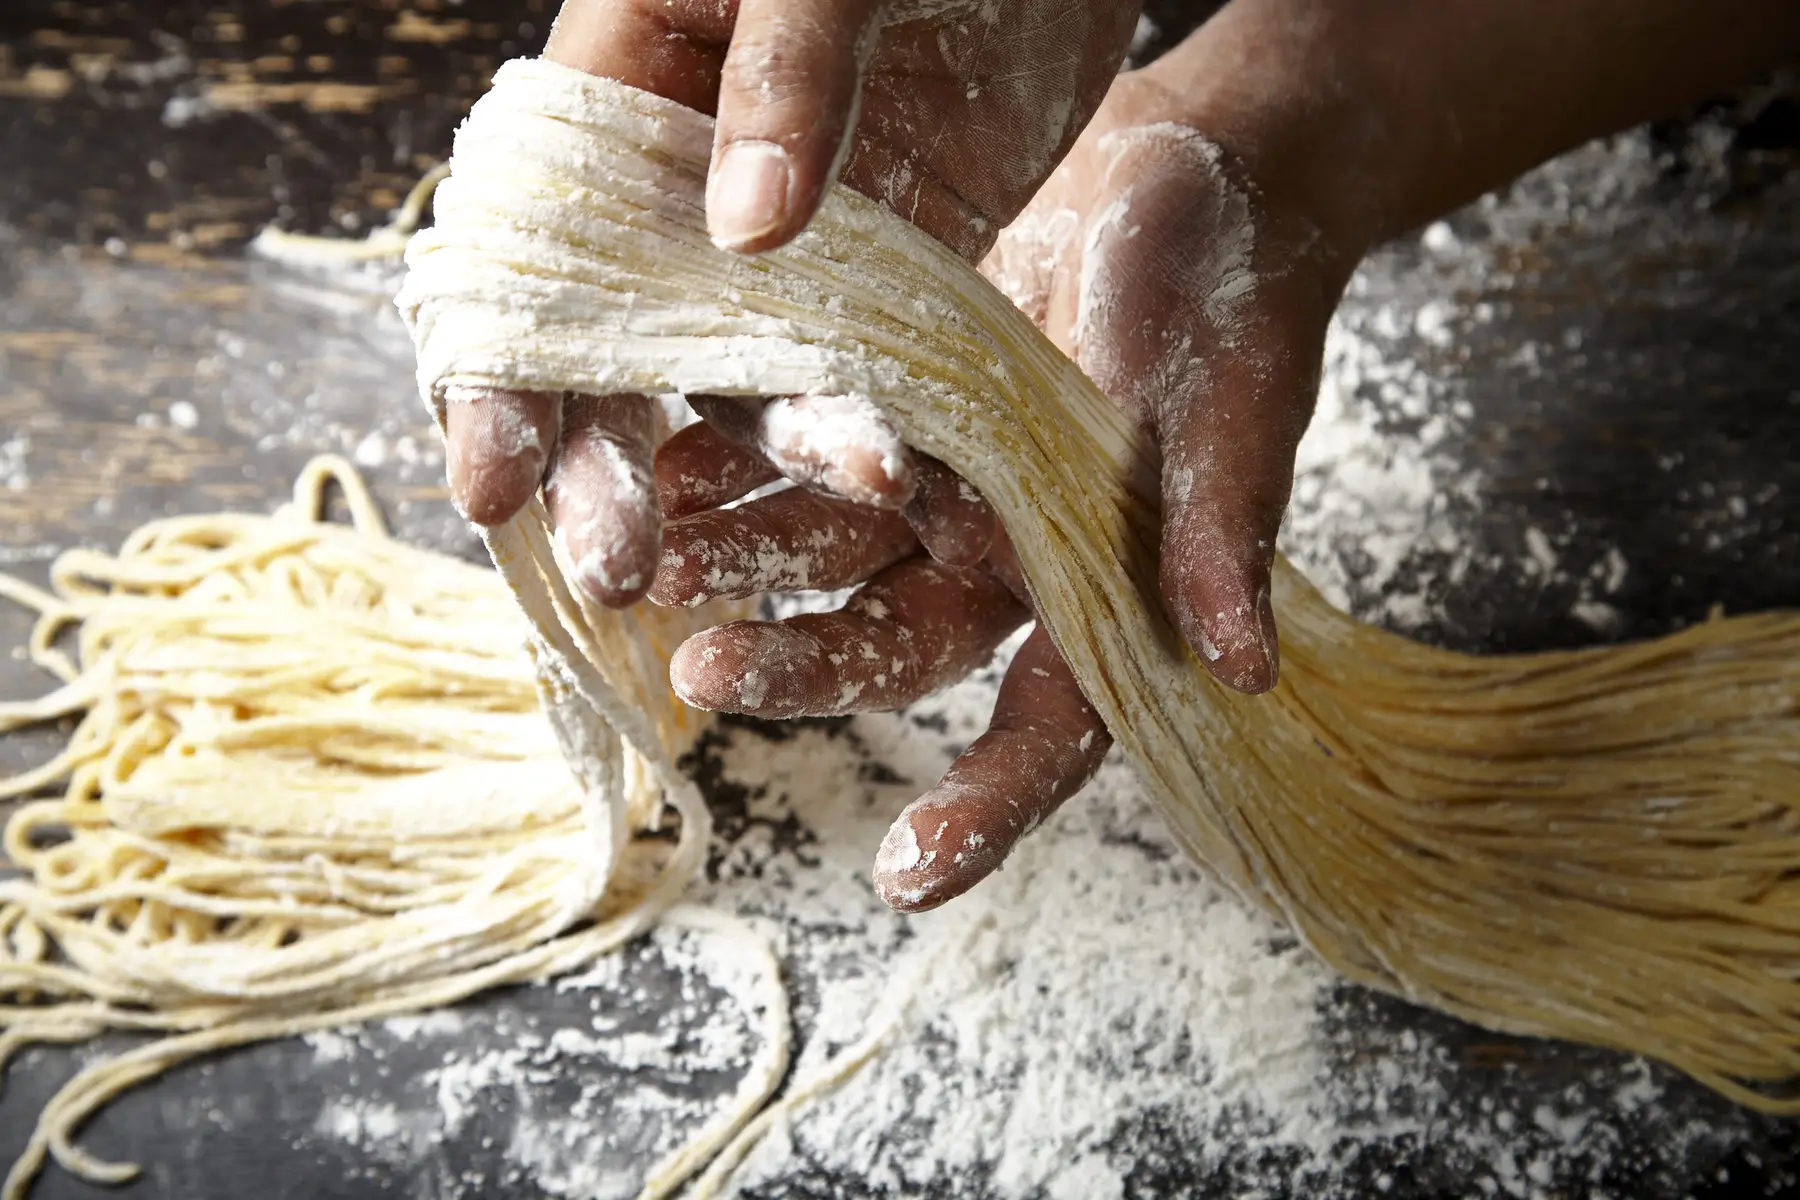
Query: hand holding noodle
1187, 254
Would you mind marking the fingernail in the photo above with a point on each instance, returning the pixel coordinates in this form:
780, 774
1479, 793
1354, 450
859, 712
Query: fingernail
747, 193
907, 877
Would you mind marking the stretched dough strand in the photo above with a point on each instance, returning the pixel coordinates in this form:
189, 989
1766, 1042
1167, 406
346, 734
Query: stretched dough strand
1602, 845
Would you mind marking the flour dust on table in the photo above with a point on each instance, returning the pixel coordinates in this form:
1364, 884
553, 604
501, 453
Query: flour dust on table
1094, 1021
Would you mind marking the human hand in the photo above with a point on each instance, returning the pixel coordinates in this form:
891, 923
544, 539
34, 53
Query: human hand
952, 119
915, 625
1149, 260
1193, 276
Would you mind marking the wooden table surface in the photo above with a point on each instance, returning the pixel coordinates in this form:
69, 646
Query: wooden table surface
1628, 359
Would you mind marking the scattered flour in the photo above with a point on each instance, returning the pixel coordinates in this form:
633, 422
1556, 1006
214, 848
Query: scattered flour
39, 552
1382, 492
571, 1095
1394, 472
1094, 1021
13, 451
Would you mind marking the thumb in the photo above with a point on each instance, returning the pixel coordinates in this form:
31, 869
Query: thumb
787, 103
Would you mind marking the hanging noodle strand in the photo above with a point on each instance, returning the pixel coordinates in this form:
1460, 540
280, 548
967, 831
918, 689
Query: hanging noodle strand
312, 784
1601, 845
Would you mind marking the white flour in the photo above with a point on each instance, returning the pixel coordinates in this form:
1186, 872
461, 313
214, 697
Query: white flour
1095, 1021
13, 451
1381, 485
1386, 490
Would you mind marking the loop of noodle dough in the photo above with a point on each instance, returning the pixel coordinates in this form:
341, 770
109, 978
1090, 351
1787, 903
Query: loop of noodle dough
313, 785
1602, 845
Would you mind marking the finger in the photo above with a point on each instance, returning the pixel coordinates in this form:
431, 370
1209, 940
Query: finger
1186, 316
915, 628
496, 444
1003, 561
787, 95
602, 495
842, 445
699, 469
896, 177
953, 522
1228, 469
790, 541
640, 44
1044, 743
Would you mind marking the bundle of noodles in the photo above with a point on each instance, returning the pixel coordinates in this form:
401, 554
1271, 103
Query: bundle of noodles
1602, 845
312, 783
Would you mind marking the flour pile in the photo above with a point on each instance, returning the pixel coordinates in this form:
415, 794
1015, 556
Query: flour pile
1101, 1025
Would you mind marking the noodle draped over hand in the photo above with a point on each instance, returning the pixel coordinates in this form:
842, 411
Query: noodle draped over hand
1601, 845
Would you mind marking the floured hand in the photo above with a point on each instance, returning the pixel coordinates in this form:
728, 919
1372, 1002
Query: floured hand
917, 624
1150, 260
1154, 261
952, 118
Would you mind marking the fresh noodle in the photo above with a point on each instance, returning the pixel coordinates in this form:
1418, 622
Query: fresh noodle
312, 784
1601, 845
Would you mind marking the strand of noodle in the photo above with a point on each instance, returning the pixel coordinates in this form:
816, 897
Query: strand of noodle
760, 1080
239, 851
1601, 844
385, 242
897, 998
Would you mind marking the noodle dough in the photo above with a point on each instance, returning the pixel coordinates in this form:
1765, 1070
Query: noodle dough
1599, 845
312, 785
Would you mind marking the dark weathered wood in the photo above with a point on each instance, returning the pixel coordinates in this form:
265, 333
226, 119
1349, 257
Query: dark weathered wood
155, 371
189, 123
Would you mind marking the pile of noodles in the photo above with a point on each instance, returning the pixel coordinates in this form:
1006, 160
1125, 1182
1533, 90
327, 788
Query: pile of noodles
311, 784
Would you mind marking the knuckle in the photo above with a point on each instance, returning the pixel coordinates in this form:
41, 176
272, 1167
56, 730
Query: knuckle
771, 68
796, 52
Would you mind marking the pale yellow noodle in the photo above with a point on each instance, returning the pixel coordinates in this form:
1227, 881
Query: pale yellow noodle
313, 784
1603, 845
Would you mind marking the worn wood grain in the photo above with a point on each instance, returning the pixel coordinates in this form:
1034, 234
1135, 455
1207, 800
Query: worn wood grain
1631, 370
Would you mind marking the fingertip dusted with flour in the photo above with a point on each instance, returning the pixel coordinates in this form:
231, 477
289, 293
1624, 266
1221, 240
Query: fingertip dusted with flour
496, 445
952, 520
754, 668
602, 495
843, 445
1043, 744
1232, 630
936, 851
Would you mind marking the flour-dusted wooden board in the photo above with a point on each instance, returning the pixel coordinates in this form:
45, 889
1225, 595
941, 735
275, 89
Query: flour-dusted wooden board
1601, 369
